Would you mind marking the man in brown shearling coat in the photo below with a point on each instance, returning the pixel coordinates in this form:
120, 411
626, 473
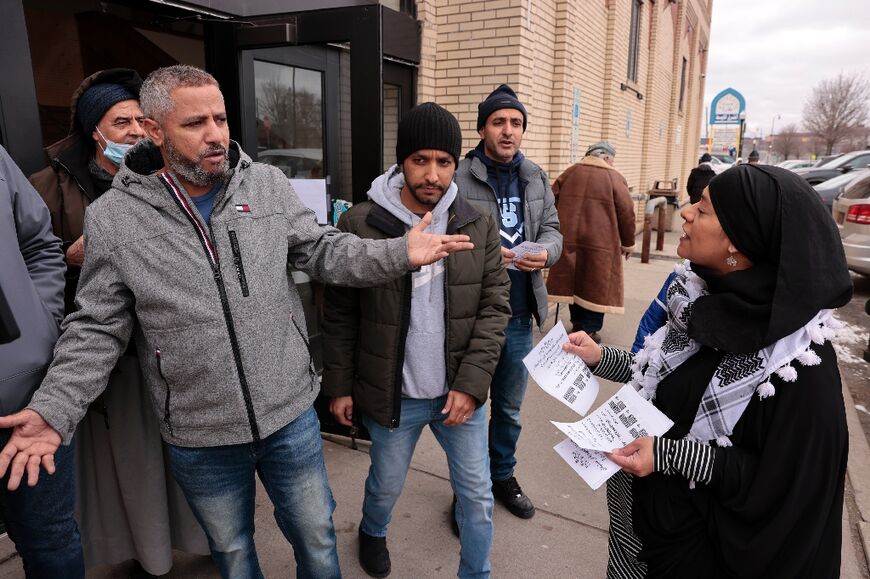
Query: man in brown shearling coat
597, 217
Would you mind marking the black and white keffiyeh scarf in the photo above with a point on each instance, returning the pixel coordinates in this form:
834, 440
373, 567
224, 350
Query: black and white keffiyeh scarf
738, 376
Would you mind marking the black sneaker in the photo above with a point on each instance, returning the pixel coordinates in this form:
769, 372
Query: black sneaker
509, 493
454, 526
373, 555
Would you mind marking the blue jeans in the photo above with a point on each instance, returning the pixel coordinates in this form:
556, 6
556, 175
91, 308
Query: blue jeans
506, 395
219, 485
40, 520
465, 445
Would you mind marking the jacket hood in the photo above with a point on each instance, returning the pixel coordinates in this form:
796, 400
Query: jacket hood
143, 165
386, 191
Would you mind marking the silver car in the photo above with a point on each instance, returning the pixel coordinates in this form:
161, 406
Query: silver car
851, 211
834, 187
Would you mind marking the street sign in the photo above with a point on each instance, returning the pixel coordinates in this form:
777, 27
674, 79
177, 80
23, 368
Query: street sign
726, 107
726, 111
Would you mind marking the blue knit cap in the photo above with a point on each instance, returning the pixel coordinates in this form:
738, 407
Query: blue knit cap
503, 97
95, 101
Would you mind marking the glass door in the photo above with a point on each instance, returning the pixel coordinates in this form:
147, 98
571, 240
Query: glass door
289, 96
289, 119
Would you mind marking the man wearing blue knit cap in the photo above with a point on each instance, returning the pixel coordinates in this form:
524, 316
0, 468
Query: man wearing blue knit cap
105, 121
497, 176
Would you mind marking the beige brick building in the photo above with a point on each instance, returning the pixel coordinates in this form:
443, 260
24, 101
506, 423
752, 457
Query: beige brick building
633, 70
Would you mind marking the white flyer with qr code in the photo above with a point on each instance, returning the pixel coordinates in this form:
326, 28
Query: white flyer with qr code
562, 375
623, 418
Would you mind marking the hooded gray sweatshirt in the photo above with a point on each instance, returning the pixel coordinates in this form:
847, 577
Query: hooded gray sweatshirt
424, 374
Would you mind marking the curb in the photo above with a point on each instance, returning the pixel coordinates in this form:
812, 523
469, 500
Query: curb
858, 469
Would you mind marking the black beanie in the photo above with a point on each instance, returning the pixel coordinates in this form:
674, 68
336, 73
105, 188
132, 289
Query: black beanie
428, 126
95, 101
503, 97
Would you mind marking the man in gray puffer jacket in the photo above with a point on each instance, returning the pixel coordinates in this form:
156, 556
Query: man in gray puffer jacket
39, 520
193, 242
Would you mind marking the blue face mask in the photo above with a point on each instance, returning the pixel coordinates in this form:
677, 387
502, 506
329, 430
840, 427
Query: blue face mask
114, 151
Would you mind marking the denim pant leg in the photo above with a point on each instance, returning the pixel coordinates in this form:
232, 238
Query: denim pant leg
467, 457
506, 395
218, 483
292, 469
390, 454
587, 320
40, 520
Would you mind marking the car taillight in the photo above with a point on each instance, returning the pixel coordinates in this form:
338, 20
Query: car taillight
859, 214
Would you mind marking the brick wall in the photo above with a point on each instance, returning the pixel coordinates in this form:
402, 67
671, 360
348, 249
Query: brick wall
551, 50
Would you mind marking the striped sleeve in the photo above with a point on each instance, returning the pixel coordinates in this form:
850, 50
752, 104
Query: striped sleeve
615, 365
692, 460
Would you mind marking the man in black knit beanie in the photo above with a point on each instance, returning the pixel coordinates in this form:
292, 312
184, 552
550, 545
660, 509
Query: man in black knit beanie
420, 351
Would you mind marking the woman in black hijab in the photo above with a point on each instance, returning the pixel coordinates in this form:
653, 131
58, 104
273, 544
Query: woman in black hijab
749, 480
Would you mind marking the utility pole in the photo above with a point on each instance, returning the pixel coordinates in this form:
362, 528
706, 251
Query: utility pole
770, 141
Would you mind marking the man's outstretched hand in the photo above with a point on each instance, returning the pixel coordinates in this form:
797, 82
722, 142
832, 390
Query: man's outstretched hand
425, 248
33, 443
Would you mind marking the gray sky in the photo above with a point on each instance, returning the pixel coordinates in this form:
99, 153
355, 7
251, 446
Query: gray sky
775, 51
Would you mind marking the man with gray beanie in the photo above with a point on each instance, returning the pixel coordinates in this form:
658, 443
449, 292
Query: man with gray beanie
516, 192
420, 350
597, 216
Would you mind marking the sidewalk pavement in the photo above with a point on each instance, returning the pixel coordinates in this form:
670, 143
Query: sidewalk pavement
568, 535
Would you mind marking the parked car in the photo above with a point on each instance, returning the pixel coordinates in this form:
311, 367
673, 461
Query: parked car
834, 167
823, 159
295, 163
721, 161
851, 212
833, 187
796, 164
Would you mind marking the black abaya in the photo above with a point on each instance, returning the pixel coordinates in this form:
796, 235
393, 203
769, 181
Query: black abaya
774, 505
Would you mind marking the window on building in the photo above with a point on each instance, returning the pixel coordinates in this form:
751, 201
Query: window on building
406, 6
634, 39
683, 82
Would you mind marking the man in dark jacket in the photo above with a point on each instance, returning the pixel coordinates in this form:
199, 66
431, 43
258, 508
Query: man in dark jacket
421, 350
191, 248
517, 194
39, 520
118, 446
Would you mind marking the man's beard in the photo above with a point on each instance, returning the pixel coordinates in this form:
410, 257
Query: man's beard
422, 200
192, 171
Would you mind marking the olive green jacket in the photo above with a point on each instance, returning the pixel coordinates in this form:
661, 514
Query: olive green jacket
364, 329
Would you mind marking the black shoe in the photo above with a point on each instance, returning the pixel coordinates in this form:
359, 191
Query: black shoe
454, 526
509, 493
373, 555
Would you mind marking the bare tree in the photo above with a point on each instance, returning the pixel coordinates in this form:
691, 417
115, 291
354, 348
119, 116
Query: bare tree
836, 106
787, 142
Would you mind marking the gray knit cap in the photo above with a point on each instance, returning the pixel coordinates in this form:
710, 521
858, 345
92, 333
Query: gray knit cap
603, 147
